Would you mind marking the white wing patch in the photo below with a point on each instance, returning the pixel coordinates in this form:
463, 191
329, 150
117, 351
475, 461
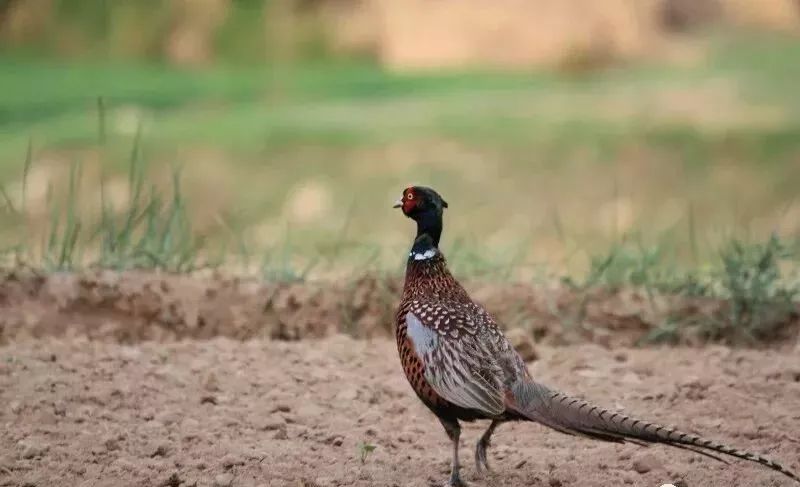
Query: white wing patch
424, 339
458, 369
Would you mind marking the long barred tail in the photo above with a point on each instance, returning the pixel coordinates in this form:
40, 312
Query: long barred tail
574, 416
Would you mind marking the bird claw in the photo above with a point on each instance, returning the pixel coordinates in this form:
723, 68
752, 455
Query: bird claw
455, 482
481, 463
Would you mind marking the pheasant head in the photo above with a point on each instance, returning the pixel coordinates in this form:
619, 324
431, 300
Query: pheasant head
425, 206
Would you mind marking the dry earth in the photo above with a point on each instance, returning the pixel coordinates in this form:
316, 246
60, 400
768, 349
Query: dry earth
223, 412
130, 307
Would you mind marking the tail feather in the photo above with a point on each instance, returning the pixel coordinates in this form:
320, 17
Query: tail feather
577, 417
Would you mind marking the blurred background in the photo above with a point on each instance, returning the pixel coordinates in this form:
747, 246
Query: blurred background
568, 136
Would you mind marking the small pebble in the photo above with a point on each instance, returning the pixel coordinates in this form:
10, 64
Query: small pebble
646, 463
281, 434
111, 444
32, 450
272, 424
211, 383
173, 480
228, 461
347, 394
282, 408
161, 450
60, 409
223, 480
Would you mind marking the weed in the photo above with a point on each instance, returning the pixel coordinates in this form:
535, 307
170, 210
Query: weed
364, 450
666, 332
760, 300
757, 299
152, 231
156, 232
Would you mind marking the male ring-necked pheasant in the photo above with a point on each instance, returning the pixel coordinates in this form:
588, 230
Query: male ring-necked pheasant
462, 367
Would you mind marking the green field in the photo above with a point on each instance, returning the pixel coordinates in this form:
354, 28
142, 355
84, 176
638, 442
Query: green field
295, 166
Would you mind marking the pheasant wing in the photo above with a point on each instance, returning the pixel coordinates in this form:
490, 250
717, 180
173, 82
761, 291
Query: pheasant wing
459, 365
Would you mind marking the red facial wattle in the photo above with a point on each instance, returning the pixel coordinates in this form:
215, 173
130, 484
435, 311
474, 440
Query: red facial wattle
409, 204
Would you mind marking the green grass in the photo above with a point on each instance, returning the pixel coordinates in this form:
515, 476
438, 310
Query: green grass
544, 171
252, 109
153, 231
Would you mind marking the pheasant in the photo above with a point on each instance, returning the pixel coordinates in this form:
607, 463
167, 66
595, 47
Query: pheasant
463, 368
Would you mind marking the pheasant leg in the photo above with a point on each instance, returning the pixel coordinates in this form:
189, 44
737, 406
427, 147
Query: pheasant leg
454, 433
480, 449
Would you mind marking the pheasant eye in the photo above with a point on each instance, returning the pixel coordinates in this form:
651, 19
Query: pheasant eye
410, 196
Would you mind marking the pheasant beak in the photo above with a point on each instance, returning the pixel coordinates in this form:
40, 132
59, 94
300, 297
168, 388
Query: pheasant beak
398, 204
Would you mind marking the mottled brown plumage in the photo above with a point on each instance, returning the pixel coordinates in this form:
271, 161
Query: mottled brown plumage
461, 366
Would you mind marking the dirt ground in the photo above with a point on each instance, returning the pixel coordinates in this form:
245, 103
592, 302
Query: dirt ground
134, 306
223, 412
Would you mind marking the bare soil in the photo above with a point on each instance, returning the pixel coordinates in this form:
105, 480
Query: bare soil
224, 412
139, 379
